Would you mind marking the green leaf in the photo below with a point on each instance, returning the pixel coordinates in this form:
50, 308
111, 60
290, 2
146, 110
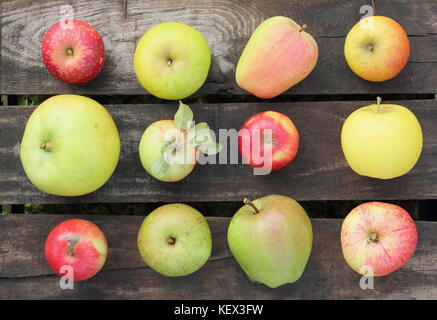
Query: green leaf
202, 134
183, 117
211, 148
159, 167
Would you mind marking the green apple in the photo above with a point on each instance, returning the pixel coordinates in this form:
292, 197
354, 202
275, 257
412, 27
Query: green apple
169, 149
172, 60
175, 240
382, 141
70, 146
271, 239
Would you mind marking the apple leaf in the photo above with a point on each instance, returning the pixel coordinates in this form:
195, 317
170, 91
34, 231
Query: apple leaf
159, 167
211, 148
202, 134
184, 117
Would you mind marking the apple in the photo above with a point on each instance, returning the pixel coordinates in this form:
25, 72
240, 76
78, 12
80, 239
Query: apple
271, 239
70, 146
382, 141
175, 240
278, 55
270, 150
79, 244
377, 48
73, 51
172, 60
378, 237
169, 149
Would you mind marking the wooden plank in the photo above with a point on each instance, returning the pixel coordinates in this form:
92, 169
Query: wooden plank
227, 25
24, 273
319, 172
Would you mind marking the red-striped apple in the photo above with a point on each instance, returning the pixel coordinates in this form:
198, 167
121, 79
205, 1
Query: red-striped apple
73, 51
377, 48
78, 244
378, 238
268, 140
278, 55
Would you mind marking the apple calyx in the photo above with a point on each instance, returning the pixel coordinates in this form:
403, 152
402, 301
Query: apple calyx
303, 28
69, 51
47, 146
188, 134
252, 205
370, 47
171, 241
72, 241
373, 238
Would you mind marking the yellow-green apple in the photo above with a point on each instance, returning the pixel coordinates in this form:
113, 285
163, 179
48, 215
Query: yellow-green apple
169, 149
78, 244
175, 240
268, 140
70, 146
378, 238
271, 239
382, 141
278, 55
172, 60
73, 51
377, 48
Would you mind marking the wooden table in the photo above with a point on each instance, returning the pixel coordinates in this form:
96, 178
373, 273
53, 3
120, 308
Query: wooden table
318, 173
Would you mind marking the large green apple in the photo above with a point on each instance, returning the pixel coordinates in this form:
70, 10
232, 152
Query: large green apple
172, 60
70, 146
382, 141
271, 239
169, 149
175, 240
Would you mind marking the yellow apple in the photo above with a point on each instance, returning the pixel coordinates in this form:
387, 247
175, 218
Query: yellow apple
377, 48
382, 141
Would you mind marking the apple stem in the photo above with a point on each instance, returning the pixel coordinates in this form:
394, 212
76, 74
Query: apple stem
303, 28
378, 103
47, 146
374, 7
72, 241
250, 203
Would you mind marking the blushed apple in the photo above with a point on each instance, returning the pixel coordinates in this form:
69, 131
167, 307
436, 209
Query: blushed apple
270, 150
70, 146
377, 48
172, 60
175, 240
271, 239
73, 51
169, 149
79, 244
378, 237
278, 55
382, 141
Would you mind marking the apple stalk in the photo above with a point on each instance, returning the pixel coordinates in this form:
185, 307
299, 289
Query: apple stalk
250, 203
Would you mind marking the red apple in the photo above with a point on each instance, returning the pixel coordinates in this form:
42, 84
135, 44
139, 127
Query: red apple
77, 243
73, 51
263, 150
380, 236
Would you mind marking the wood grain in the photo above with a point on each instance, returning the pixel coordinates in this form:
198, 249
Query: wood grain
227, 25
319, 172
24, 274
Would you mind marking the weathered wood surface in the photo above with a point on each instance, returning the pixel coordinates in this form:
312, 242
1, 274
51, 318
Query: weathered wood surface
24, 273
227, 24
319, 172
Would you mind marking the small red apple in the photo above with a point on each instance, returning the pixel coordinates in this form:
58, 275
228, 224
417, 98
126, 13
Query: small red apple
73, 51
380, 236
77, 243
263, 150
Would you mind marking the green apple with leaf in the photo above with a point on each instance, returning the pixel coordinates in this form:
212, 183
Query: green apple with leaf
169, 149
